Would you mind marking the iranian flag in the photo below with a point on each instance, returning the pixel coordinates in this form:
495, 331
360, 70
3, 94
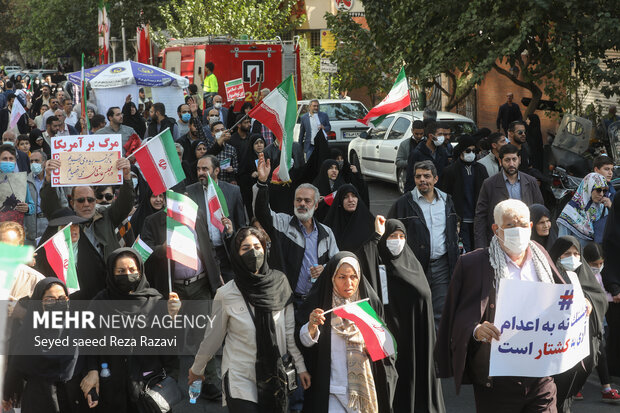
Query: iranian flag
181, 244
379, 341
278, 112
181, 208
83, 98
59, 253
142, 248
159, 162
216, 204
396, 100
329, 199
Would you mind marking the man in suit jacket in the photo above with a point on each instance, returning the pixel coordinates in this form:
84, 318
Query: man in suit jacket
210, 165
311, 123
466, 328
509, 183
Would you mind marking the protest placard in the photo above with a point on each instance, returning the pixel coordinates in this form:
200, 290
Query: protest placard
87, 160
543, 328
12, 192
234, 89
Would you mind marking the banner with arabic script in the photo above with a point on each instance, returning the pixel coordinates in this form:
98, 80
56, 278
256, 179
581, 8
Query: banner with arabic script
87, 160
543, 328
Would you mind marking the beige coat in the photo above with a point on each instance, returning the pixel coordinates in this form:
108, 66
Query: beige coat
233, 322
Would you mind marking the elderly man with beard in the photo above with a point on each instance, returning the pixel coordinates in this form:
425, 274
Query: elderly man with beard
308, 244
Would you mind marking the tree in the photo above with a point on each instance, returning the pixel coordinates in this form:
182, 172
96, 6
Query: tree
313, 82
59, 28
258, 19
361, 63
10, 36
547, 44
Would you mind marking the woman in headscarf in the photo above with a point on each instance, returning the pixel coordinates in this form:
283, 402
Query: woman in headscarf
349, 219
566, 254
327, 181
133, 119
247, 170
351, 175
148, 204
397, 276
344, 378
37, 142
41, 380
127, 292
197, 150
544, 232
254, 313
584, 209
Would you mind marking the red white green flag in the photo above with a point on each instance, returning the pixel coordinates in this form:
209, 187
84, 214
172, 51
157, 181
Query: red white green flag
216, 204
380, 343
159, 162
396, 100
329, 199
59, 254
181, 208
181, 244
142, 248
278, 112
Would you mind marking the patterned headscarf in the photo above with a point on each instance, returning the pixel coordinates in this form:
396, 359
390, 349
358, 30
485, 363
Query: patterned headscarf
581, 212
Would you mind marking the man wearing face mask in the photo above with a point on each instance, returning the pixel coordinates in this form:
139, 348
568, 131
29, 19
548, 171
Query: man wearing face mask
36, 223
209, 117
13, 211
22, 163
509, 183
463, 180
184, 116
431, 149
428, 214
217, 109
466, 328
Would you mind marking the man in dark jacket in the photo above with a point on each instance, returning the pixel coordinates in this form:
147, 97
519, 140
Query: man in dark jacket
160, 122
509, 183
430, 149
462, 180
429, 216
507, 113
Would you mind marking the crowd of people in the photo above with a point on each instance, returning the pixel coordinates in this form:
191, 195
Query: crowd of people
472, 214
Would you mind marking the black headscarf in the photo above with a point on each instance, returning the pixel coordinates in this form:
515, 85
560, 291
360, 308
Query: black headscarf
267, 291
144, 210
322, 181
534, 140
318, 357
33, 136
351, 229
537, 211
135, 121
51, 367
571, 381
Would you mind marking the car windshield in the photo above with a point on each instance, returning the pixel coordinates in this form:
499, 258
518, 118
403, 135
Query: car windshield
460, 127
339, 111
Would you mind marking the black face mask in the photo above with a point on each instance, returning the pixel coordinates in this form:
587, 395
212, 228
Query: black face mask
57, 306
127, 282
253, 260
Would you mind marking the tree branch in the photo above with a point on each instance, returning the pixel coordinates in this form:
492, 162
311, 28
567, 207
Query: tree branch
510, 76
458, 100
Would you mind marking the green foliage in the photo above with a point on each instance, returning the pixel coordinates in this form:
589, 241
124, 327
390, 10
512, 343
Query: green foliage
361, 62
313, 83
259, 19
548, 41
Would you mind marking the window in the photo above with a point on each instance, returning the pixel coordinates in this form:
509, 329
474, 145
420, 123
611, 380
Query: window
344, 111
379, 131
401, 126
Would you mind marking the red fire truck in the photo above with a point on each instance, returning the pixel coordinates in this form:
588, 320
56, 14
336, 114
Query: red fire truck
260, 63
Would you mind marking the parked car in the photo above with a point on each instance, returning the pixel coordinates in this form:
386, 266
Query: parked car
374, 152
343, 115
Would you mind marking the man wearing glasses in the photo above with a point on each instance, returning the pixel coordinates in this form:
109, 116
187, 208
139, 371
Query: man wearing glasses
517, 137
99, 229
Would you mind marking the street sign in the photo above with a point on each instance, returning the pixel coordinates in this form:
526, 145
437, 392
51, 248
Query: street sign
327, 66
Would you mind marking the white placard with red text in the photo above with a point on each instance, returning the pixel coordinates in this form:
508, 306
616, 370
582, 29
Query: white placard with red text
234, 89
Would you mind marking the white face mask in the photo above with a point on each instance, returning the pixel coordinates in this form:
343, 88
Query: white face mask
395, 246
217, 105
218, 134
596, 270
517, 239
570, 263
439, 140
469, 157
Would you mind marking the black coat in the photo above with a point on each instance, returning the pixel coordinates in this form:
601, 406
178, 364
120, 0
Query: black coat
151, 130
422, 153
452, 184
409, 316
409, 212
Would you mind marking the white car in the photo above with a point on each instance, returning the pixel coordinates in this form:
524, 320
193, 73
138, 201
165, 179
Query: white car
343, 115
374, 152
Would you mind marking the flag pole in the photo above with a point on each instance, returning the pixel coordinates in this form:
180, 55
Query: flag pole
340, 306
238, 122
169, 278
50, 238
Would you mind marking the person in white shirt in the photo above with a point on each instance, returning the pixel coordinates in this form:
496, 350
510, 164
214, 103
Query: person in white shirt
71, 118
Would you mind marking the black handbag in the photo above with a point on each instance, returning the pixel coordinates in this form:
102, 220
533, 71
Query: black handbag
160, 393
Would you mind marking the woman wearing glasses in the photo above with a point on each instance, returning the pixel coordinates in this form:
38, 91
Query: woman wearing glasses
580, 215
